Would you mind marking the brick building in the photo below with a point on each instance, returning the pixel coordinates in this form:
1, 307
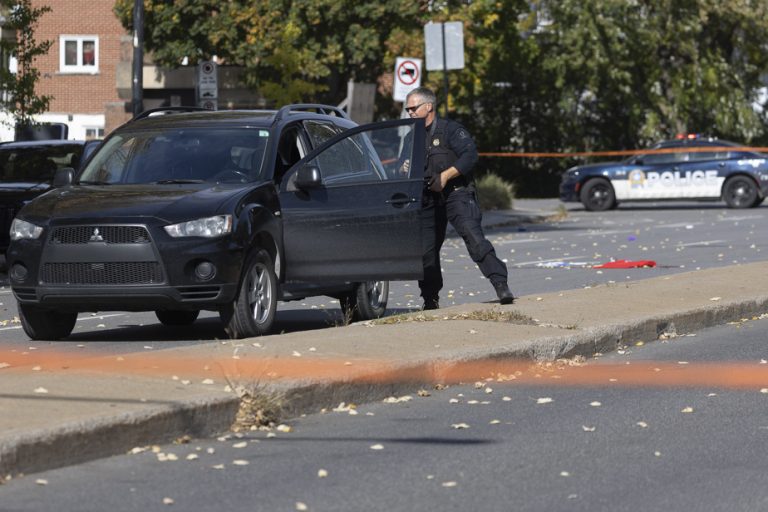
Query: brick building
80, 69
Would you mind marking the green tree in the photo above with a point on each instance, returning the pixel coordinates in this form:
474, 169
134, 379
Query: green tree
291, 50
19, 98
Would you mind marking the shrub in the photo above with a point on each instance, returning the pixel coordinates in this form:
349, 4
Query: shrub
494, 193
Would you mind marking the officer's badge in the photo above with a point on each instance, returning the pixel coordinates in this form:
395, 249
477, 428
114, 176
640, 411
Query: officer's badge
436, 142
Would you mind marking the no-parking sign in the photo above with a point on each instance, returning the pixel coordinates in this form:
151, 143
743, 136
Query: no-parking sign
407, 77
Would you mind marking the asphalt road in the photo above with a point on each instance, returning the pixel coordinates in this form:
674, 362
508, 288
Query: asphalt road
546, 257
492, 446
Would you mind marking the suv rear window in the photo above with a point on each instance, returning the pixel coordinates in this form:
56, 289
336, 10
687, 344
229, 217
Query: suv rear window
180, 154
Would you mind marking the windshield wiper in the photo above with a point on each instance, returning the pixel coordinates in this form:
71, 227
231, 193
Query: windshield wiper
174, 182
86, 182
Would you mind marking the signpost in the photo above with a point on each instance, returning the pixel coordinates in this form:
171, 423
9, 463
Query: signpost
207, 85
444, 49
407, 77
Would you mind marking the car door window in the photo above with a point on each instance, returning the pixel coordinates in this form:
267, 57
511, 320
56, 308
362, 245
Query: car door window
352, 160
320, 132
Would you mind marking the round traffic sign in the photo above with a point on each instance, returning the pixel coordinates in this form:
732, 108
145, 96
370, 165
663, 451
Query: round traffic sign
207, 68
408, 72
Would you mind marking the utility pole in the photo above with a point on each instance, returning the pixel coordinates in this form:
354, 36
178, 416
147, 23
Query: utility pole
138, 57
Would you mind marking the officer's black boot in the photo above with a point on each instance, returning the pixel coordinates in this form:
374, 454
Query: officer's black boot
504, 293
431, 303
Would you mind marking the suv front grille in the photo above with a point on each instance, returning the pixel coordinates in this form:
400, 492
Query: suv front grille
141, 272
71, 235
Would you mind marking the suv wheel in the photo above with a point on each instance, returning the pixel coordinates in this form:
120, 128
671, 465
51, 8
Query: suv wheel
44, 324
367, 301
253, 310
176, 317
597, 195
740, 192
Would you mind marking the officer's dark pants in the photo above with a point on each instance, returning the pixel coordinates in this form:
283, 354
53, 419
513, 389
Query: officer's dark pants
460, 208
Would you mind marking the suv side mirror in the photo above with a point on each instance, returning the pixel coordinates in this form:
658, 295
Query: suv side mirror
63, 177
308, 177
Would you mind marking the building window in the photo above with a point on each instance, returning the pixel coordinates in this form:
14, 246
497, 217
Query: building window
94, 133
79, 54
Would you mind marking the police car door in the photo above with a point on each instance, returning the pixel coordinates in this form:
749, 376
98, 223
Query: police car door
350, 209
652, 177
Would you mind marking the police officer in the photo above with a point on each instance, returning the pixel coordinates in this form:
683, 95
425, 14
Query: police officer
450, 196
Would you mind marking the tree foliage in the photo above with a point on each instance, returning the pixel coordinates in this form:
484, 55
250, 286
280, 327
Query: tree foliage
541, 75
19, 98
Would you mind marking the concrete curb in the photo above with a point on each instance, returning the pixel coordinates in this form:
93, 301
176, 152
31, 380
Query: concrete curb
78, 442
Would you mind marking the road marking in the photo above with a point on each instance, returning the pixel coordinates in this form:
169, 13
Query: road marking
536, 262
703, 242
604, 233
523, 241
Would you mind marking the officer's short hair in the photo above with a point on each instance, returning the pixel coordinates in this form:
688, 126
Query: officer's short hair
425, 93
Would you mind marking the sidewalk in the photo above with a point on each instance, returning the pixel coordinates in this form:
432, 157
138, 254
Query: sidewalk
60, 409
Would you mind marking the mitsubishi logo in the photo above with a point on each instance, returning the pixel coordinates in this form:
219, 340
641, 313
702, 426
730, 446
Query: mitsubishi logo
96, 237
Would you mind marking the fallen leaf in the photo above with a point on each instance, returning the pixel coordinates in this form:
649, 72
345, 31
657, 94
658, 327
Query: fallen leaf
449, 484
595, 404
192, 456
240, 462
322, 473
687, 409
41, 481
167, 501
218, 466
242, 444
588, 429
459, 426
545, 400
287, 428
208, 381
301, 506
642, 424
41, 390
715, 298
377, 447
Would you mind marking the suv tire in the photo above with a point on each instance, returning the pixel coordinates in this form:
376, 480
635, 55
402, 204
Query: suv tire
44, 324
176, 317
252, 313
367, 301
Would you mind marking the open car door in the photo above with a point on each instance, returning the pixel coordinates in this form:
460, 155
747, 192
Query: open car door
351, 208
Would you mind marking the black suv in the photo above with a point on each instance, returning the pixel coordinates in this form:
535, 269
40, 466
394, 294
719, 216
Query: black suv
231, 211
27, 170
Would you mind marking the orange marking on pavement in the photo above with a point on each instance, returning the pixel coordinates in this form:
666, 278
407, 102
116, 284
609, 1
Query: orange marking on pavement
253, 367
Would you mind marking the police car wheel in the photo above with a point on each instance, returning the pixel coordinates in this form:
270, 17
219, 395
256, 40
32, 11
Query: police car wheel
597, 195
367, 301
740, 192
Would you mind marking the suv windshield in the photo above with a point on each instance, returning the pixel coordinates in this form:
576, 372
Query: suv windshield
179, 155
38, 163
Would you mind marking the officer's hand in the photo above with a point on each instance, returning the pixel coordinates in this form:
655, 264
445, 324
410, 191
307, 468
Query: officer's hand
437, 183
405, 168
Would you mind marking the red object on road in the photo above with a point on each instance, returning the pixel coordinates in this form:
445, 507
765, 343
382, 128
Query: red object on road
627, 264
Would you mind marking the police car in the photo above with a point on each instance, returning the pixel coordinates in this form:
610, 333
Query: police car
689, 167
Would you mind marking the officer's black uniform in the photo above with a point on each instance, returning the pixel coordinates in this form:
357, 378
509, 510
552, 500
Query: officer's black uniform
449, 144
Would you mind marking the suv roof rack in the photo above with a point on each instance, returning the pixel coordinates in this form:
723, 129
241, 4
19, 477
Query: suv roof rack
322, 109
168, 110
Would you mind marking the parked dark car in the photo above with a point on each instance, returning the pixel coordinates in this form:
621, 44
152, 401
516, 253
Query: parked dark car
27, 170
229, 211
684, 168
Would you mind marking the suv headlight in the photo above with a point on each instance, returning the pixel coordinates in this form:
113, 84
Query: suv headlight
209, 227
21, 229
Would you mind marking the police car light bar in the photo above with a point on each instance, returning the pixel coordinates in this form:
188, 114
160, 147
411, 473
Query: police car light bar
689, 136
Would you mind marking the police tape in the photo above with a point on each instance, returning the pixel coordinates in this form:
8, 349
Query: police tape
628, 152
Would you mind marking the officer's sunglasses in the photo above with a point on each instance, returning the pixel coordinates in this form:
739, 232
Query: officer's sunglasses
415, 108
